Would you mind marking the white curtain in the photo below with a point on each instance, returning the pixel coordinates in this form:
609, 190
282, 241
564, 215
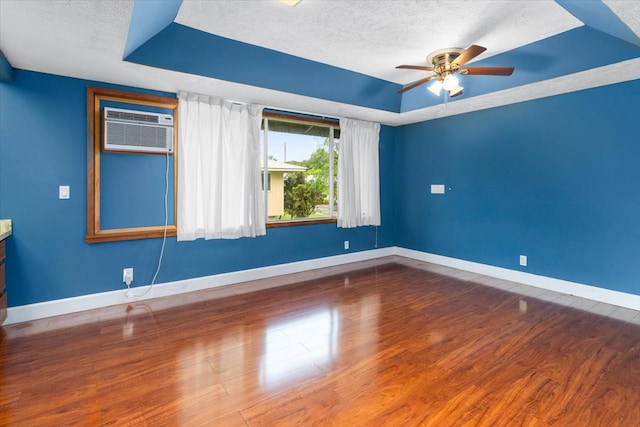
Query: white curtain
358, 174
220, 192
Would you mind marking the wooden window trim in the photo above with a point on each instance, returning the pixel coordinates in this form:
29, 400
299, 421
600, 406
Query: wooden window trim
291, 118
94, 97
305, 221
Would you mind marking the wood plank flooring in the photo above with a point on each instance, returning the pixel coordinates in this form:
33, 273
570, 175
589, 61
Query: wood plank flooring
389, 345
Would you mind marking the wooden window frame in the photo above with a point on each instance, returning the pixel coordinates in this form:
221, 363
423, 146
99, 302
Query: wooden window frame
312, 120
94, 98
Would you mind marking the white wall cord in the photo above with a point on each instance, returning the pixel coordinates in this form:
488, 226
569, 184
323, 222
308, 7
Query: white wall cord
166, 225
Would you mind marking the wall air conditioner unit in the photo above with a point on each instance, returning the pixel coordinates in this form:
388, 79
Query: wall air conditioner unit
137, 131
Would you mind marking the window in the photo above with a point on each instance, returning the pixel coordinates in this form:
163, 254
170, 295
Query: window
300, 160
268, 182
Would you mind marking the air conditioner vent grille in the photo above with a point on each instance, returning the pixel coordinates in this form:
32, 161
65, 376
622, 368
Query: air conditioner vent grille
131, 116
136, 136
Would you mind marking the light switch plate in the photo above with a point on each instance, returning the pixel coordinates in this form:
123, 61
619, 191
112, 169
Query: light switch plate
64, 192
437, 188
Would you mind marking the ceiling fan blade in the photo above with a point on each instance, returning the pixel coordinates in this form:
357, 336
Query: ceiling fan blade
488, 71
415, 67
417, 83
470, 53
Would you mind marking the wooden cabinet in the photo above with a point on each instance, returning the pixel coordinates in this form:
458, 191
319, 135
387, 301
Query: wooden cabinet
3, 290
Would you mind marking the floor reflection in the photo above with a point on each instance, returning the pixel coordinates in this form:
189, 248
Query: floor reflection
312, 340
254, 354
133, 313
320, 326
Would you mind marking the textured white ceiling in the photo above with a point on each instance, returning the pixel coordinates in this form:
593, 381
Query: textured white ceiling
628, 12
86, 39
372, 37
76, 38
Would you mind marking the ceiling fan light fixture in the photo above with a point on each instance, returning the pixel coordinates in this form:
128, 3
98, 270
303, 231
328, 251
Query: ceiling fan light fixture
436, 87
449, 82
455, 91
290, 2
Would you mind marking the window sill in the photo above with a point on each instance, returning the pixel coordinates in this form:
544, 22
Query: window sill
119, 234
294, 222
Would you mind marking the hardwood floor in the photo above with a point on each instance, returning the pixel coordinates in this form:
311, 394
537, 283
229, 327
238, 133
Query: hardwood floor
400, 344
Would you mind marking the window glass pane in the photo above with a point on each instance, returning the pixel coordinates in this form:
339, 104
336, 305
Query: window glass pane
298, 163
299, 126
268, 181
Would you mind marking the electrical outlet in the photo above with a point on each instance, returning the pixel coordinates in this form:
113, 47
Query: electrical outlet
127, 275
346, 245
523, 260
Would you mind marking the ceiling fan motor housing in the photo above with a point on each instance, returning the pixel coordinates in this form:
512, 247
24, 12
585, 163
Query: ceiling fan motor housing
442, 60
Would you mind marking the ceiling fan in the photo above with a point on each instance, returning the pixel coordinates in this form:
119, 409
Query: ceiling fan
446, 64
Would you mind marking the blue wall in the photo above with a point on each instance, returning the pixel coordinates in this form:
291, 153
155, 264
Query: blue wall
43, 145
556, 179
134, 198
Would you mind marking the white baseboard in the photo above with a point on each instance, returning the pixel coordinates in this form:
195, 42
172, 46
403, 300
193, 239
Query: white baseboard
594, 293
41, 310
25, 313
